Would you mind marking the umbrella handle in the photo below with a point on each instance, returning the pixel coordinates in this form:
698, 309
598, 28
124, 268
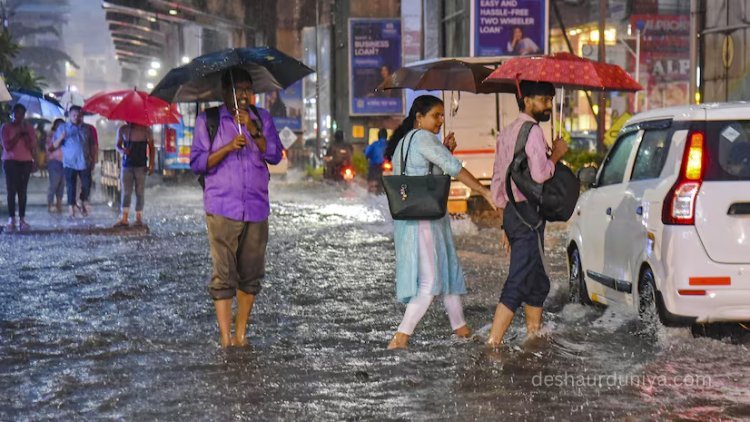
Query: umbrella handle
562, 98
234, 97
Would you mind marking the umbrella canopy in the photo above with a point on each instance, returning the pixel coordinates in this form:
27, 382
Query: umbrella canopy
565, 70
4, 94
200, 80
132, 106
37, 104
449, 75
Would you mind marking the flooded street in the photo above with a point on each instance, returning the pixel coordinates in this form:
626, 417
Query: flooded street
122, 327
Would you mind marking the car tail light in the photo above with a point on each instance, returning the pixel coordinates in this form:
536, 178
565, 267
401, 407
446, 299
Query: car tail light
679, 204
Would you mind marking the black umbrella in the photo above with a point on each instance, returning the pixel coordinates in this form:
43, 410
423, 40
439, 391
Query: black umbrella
200, 80
449, 74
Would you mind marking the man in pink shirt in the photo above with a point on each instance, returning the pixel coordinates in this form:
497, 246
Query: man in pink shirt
19, 149
523, 228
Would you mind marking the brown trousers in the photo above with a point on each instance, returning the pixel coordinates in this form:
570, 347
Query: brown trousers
238, 252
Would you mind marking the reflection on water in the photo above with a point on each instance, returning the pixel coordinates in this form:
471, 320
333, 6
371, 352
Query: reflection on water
123, 328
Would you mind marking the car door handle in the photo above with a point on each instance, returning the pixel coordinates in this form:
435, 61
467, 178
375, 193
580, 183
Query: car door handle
609, 211
639, 210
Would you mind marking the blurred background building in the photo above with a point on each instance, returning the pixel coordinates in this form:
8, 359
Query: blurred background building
90, 46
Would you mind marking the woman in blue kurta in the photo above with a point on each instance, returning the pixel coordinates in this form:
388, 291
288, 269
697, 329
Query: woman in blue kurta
426, 261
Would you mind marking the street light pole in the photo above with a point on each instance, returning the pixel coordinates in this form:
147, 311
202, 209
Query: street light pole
317, 84
694, 16
637, 55
602, 59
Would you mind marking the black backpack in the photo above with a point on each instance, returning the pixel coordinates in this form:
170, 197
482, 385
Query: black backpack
555, 199
212, 126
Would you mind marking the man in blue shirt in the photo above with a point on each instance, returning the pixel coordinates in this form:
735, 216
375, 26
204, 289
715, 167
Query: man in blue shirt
76, 140
375, 153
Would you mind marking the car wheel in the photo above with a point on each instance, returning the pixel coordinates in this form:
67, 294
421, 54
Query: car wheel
648, 308
578, 291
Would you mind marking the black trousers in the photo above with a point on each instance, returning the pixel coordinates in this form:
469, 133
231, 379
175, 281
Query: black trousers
527, 281
17, 175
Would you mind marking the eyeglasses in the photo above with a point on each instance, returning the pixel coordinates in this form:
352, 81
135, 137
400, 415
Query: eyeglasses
245, 91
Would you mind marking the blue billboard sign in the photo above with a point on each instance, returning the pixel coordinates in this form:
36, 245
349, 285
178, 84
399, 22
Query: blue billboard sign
509, 27
375, 53
286, 107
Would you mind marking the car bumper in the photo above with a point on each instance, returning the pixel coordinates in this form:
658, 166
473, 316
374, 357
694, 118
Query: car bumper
694, 286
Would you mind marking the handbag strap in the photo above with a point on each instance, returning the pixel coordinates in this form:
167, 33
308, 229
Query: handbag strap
404, 158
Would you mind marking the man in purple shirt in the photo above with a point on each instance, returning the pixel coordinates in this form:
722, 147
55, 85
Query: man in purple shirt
527, 280
236, 199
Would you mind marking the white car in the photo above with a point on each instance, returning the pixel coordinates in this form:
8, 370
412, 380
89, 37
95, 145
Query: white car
665, 227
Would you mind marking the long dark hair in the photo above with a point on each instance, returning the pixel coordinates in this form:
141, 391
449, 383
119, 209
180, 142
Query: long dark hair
56, 124
422, 105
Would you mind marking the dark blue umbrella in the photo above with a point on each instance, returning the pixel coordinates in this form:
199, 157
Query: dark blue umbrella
200, 80
37, 104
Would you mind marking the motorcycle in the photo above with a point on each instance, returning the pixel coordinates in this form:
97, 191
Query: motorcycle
338, 165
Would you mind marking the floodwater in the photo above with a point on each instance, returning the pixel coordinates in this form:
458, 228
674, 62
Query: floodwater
122, 327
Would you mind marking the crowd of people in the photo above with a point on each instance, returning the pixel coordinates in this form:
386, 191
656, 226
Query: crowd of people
67, 155
232, 146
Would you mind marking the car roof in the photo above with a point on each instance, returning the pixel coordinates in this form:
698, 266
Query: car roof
708, 111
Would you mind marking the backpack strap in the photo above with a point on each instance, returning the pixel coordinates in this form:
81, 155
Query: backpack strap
257, 114
519, 156
212, 125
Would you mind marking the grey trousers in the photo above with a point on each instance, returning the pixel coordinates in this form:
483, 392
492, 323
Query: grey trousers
130, 176
56, 181
238, 252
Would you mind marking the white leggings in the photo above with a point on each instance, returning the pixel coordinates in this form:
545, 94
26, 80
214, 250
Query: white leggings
418, 304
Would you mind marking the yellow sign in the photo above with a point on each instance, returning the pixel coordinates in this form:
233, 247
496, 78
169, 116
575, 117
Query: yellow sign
617, 123
727, 51
358, 131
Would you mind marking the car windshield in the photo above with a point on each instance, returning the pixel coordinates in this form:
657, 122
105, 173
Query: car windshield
729, 150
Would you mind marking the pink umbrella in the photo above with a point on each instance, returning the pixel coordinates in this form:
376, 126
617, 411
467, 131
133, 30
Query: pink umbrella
132, 106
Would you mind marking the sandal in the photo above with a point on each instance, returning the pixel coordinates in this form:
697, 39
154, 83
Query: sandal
120, 223
24, 226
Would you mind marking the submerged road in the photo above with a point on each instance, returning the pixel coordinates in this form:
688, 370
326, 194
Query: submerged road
111, 326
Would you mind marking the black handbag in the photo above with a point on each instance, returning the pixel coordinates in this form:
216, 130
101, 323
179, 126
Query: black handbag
416, 197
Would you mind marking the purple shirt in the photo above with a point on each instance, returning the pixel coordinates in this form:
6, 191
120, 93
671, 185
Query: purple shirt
540, 167
237, 187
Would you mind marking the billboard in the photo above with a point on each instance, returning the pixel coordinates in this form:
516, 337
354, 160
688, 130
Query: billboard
374, 53
509, 28
665, 59
285, 107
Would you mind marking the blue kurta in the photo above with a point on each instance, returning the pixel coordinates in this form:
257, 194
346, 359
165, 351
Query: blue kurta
426, 149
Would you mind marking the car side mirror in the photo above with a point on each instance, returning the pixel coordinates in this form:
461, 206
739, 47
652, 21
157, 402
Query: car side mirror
587, 176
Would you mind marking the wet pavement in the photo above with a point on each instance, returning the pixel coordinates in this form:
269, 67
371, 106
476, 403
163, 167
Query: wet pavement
109, 326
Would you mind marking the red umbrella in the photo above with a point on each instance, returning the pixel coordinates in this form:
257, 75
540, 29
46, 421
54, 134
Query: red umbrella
132, 106
565, 70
